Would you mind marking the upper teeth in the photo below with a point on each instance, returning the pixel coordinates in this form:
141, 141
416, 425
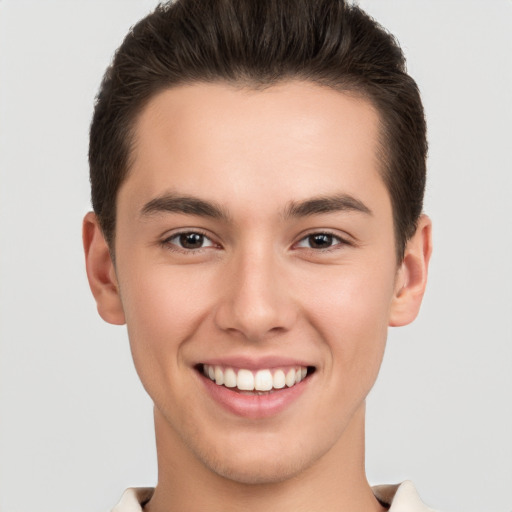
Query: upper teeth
261, 380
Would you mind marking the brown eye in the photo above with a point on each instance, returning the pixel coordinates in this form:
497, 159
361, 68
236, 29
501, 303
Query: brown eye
190, 241
320, 241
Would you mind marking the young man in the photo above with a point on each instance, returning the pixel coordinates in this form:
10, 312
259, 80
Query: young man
257, 173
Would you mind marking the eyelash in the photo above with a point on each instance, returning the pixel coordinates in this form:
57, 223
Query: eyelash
173, 246
337, 242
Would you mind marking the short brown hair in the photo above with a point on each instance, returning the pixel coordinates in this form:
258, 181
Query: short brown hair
258, 43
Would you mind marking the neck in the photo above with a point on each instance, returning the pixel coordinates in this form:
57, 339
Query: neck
336, 481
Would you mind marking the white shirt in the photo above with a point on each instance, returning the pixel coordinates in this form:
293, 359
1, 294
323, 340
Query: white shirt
401, 498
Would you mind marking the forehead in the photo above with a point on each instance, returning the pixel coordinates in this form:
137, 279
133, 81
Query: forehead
302, 138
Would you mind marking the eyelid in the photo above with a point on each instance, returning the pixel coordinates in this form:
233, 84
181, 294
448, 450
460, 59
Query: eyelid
341, 240
166, 240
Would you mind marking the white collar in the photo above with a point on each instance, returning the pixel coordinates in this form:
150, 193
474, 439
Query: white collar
402, 497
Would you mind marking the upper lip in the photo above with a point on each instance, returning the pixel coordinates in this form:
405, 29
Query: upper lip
255, 363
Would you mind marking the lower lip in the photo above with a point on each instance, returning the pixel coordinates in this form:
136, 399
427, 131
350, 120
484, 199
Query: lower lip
254, 406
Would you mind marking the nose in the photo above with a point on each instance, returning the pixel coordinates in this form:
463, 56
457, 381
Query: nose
255, 303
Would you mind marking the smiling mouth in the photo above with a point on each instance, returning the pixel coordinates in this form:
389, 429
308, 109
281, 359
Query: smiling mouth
260, 382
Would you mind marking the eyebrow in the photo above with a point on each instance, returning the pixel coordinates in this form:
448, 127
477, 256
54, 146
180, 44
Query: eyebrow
188, 205
326, 204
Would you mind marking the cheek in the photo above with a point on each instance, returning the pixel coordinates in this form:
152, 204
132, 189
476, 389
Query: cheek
164, 306
352, 316
159, 296
347, 310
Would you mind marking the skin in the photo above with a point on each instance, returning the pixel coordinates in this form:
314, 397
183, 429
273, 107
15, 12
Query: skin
258, 287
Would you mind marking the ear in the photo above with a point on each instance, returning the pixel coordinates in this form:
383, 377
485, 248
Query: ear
101, 272
411, 278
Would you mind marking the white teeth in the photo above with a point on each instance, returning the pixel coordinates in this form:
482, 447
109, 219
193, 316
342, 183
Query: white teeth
279, 380
290, 377
262, 380
245, 380
230, 378
219, 376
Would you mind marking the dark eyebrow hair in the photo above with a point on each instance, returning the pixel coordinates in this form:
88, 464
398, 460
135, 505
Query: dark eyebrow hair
188, 205
326, 204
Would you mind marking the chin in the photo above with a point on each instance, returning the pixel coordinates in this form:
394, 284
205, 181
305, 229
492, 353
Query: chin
256, 465
256, 472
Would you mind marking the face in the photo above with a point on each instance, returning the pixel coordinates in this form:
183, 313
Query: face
256, 271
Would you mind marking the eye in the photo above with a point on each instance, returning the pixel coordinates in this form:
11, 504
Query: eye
190, 240
320, 241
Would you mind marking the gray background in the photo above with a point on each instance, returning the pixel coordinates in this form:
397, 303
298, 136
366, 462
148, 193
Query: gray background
75, 424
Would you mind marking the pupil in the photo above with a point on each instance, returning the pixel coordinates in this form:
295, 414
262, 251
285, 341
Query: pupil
191, 240
320, 241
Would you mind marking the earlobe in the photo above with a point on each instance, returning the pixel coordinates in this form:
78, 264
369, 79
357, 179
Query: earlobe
101, 272
412, 276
